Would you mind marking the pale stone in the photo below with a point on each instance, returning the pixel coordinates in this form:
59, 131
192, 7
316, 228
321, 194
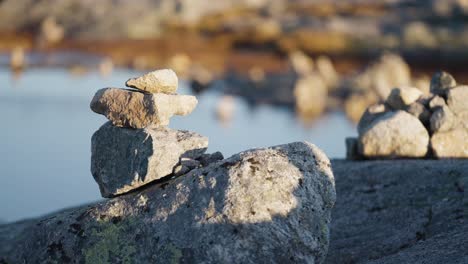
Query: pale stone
441, 82
159, 81
126, 108
436, 102
450, 144
371, 113
402, 97
310, 95
394, 134
124, 159
457, 99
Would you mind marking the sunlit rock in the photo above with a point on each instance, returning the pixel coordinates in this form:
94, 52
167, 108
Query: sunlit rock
124, 159
127, 108
159, 81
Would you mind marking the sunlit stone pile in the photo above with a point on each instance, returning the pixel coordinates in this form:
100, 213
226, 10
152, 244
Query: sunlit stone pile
136, 147
411, 124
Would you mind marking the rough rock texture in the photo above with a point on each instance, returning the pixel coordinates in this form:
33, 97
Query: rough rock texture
125, 108
402, 97
400, 211
450, 144
260, 206
394, 134
159, 81
441, 82
123, 159
457, 99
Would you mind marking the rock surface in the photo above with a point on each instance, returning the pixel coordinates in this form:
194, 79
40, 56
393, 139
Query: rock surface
402, 97
441, 82
442, 120
159, 81
126, 108
450, 144
457, 99
394, 134
400, 211
264, 205
124, 159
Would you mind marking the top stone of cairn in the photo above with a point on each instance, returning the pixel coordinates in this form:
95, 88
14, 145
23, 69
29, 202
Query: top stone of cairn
159, 81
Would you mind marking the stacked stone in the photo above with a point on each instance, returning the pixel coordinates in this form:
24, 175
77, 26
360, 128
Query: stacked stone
136, 147
412, 125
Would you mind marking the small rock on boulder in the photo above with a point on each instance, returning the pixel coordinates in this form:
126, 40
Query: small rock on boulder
159, 81
394, 134
124, 159
402, 97
442, 120
125, 108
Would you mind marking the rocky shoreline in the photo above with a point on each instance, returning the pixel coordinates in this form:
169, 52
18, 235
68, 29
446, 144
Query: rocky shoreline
399, 211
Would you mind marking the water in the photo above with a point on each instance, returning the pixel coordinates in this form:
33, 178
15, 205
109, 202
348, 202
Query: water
47, 127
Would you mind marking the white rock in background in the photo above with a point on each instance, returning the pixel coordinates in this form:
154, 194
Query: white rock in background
394, 134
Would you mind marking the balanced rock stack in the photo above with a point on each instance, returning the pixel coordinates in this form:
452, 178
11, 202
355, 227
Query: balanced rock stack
410, 124
136, 147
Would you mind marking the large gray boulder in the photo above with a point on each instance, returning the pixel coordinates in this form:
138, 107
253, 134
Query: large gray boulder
127, 108
261, 206
124, 159
400, 211
450, 144
394, 134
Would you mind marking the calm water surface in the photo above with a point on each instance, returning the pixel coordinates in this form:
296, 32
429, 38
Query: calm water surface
47, 127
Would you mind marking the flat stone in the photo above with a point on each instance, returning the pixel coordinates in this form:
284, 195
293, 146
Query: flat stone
394, 134
124, 159
442, 120
125, 108
457, 99
441, 82
402, 97
450, 144
159, 81
268, 205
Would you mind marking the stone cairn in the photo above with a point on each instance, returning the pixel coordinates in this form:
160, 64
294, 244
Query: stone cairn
136, 147
409, 124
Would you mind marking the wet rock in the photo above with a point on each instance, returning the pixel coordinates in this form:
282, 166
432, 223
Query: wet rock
126, 108
124, 159
311, 96
436, 102
441, 82
370, 115
450, 144
394, 134
420, 111
457, 99
442, 120
159, 81
263, 205
402, 97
